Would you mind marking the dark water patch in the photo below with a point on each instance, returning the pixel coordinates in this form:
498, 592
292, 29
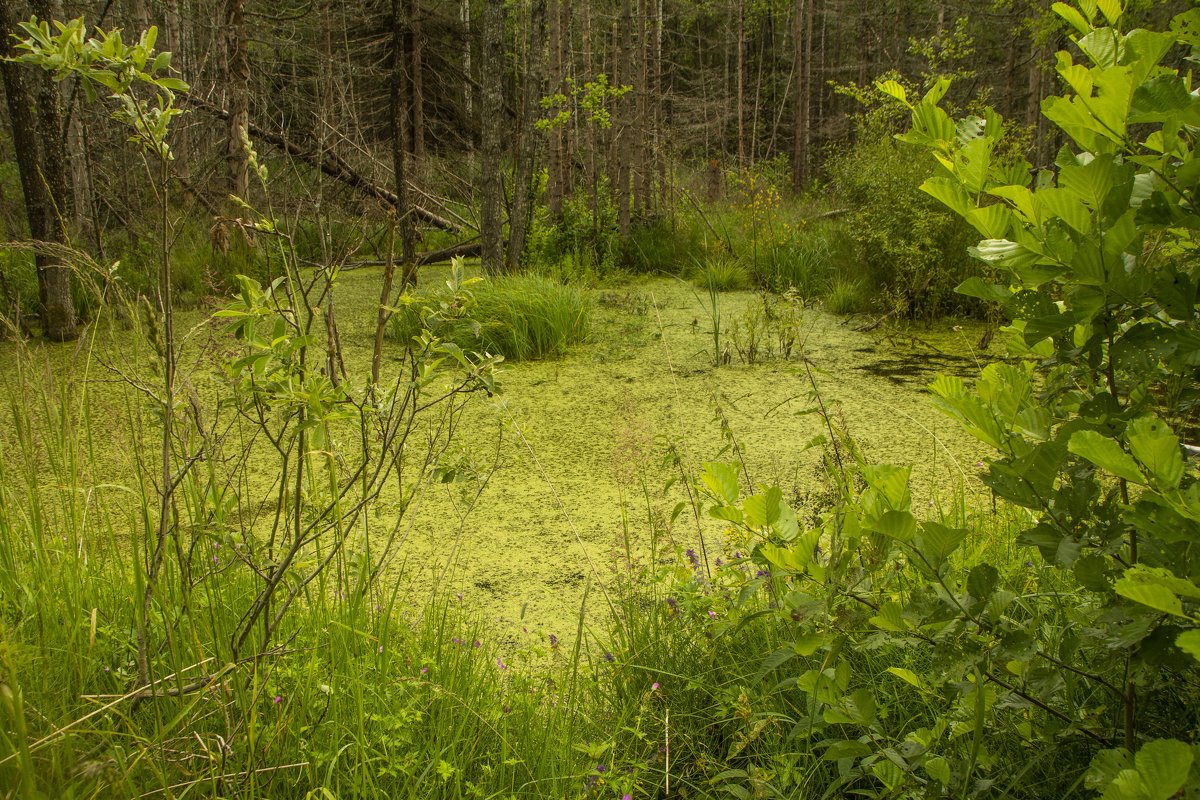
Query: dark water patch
920, 368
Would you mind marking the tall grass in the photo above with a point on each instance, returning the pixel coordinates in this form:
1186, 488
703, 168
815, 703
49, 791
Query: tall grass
519, 317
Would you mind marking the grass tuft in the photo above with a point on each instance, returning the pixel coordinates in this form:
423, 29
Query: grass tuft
520, 317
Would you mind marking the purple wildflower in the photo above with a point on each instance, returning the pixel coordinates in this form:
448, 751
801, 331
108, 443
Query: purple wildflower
424, 670
609, 657
654, 686
500, 663
712, 614
476, 644
692, 557
601, 768
278, 699
762, 573
553, 642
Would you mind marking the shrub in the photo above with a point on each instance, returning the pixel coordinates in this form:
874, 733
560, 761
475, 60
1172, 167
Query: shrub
663, 246
910, 248
586, 234
519, 317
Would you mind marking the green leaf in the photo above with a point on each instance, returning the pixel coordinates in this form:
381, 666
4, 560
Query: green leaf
721, 480
1111, 9
1073, 17
977, 287
1142, 588
982, 581
1021, 199
762, 510
1160, 769
908, 676
810, 643
937, 91
936, 541
991, 221
890, 618
1189, 642
938, 768
894, 89
728, 513
774, 661
899, 525
1106, 454
948, 192
847, 748
1156, 446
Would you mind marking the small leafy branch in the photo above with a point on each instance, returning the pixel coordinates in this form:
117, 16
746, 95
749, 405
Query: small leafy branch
594, 98
105, 61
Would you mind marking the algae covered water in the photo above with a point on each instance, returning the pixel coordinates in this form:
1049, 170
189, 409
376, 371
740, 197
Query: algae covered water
575, 472
562, 476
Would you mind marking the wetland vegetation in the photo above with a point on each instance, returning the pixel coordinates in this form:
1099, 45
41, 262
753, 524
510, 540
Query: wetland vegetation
887, 489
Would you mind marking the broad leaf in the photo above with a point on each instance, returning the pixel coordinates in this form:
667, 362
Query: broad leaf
1106, 454
721, 480
1156, 446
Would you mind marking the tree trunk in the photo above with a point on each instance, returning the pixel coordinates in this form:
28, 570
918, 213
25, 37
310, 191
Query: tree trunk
740, 100
399, 103
36, 170
491, 223
800, 39
417, 79
180, 140
623, 145
523, 183
555, 190
464, 15
237, 86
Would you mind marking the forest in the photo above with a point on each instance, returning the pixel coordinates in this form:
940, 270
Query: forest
599, 399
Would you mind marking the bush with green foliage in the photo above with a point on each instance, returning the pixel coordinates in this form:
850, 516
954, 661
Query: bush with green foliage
911, 251
721, 274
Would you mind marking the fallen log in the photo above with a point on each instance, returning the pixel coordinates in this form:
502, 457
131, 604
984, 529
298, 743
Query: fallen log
469, 249
329, 163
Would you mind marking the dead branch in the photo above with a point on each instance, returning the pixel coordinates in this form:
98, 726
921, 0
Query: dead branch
329, 163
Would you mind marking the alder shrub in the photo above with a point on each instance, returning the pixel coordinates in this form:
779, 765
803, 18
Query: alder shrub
909, 249
926, 665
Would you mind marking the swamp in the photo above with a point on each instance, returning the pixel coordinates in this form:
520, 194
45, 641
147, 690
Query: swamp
634, 400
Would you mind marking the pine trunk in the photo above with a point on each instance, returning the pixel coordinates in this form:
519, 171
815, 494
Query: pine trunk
491, 222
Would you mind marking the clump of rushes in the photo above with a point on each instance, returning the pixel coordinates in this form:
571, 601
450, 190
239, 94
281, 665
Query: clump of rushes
520, 317
722, 275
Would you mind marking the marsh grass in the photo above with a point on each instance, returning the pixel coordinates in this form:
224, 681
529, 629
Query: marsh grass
721, 274
519, 317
